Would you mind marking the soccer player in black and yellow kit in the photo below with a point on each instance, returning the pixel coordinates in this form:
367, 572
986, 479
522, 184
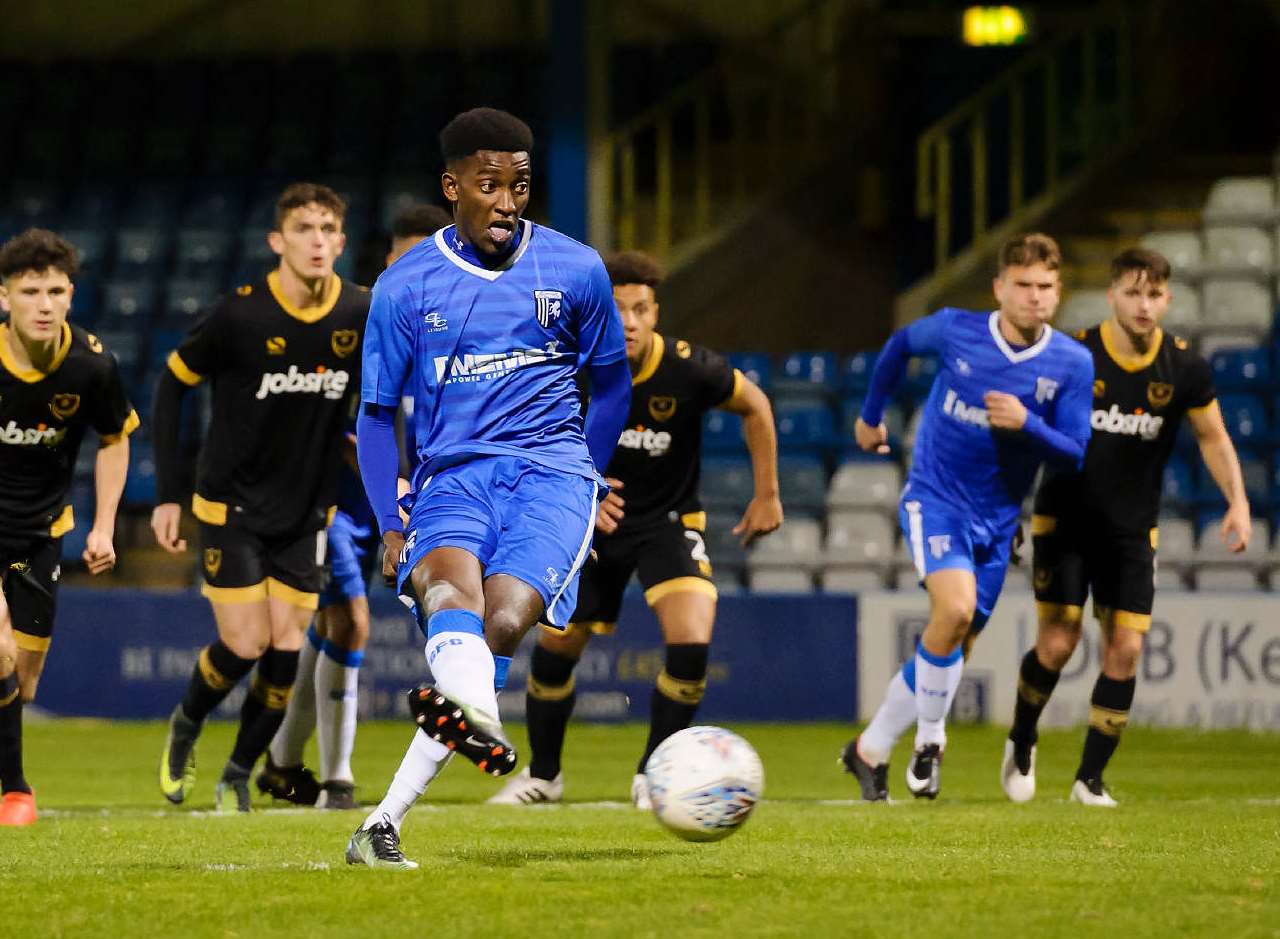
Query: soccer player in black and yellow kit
1096, 530
283, 356
651, 524
56, 381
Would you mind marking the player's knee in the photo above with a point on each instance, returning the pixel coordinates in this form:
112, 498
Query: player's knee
1122, 655
569, 643
955, 615
503, 629
1055, 644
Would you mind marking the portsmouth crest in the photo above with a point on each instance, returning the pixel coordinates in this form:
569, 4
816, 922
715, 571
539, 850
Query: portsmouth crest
64, 405
683, 349
1042, 577
344, 342
212, 561
1099, 388
662, 407
547, 306
94, 344
276, 345
1159, 393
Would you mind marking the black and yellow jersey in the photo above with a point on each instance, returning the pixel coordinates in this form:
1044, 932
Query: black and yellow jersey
1138, 403
282, 382
659, 454
43, 417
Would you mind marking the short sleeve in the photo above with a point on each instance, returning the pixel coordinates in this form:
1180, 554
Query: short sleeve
388, 348
600, 339
715, 379
113, 416
1200, 389
200, 352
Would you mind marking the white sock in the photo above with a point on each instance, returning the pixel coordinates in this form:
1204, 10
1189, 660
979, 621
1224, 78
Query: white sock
422, 763
463, 669
337, 700
897, 712
300, 716
937, 678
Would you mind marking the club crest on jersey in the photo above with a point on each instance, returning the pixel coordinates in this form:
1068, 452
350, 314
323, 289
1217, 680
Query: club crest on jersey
276, 345
213, 561
64, 405
547, 305
435, 322
1046, 388
939, 545
94, 344
1159, 393
683, 349
344, 342
662, 407
1099, 388
1042, 578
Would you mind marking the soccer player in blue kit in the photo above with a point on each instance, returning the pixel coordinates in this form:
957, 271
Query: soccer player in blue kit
487, 326
1011, 393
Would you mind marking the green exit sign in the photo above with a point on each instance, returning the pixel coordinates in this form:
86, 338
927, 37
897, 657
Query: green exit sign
995, 26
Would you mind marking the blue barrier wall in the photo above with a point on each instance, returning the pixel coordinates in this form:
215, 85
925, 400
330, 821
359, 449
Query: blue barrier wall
128, 654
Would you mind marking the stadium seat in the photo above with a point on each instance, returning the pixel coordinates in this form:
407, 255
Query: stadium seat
724, 547
128, 303
726, 483
862, 485
154, 204
140, 484
1082, 309
1241, 200
803, 483
1183, 249
186, 297
797, 541
1256, 485
852, 580
815, 372
1210, 549
727, 579
1177, 543
1179, 488
921, 371
755, 365
1246, 419
33, 202
1232, 578
859, 539
93, 205
125, 346
807, 430
722, 433
1239, 250
86, 302
255, 256
202, 252
140, 252
399, 194
92, 244
780, 580
1241, 369
855, 373
1238, 304
1185, 316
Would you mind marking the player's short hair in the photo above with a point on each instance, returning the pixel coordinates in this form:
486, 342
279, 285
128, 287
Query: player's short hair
484, 129
37, 250
1028, 249
1152, 263
634, 267
296, 195
422, 219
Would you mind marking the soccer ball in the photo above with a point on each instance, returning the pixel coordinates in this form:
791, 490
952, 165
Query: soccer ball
704, 782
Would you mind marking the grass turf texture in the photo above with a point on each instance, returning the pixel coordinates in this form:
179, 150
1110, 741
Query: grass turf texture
1194, 848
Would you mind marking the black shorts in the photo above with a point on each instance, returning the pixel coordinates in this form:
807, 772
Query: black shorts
668, 558
29, 573
240, 566
1072, 557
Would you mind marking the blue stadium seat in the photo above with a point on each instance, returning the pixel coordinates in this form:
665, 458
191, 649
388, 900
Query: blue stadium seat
128, 304
86, 302
33, 202
255, 257
855, 372
215, 204
400, 193
1256, 485
140, 485
92, 244
1241, 369
726, 483
755, 365
160, 342
895, 420
202, 253
1179, 489
806, 429
126, 347
921, 371
722, 433
140, 252
1246, 419
809, 371
93, 205
803, 484
154, 204
186, 297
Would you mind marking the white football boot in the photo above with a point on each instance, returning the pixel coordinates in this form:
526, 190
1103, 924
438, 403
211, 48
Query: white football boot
1092, 793
1018, 786
526, 789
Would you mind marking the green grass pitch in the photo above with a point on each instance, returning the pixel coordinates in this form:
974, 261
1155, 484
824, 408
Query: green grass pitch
1194, 848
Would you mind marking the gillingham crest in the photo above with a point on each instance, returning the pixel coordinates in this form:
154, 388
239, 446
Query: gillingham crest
547, 306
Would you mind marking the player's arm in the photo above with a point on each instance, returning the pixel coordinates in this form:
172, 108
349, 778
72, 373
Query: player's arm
1219, 455
603, 354
925, 335
1062, 443
114, 419
764, 513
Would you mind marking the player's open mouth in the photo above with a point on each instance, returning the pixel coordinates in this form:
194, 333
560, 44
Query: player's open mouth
501, 232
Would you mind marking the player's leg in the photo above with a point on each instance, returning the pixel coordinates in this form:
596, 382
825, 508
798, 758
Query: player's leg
283, 775
17, 802
337, 674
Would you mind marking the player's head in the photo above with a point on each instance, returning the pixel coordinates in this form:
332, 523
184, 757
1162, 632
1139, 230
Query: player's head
308, 232
486, 176
1139, 293
414, 224
1027, 283
635, 277
36, 269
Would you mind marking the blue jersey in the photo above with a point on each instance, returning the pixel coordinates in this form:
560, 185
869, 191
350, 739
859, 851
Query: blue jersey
491, 356
958, 458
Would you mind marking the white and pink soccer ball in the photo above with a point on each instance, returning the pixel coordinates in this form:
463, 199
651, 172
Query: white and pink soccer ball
704, 782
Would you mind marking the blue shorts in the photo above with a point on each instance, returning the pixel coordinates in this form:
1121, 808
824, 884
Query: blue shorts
353, 549
941, 538
517, 517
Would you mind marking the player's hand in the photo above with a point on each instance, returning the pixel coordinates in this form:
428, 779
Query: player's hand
393, 544
611, 509
1005, 411
166, 519
872, 439
99, 553
762, 516
1237, 527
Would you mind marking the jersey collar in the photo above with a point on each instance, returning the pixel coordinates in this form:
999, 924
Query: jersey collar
32, 375
1130, 363
1017, 355
526, 232
308, 314
651, 361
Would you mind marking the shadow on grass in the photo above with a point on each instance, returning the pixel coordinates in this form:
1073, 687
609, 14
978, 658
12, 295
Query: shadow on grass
520, 857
